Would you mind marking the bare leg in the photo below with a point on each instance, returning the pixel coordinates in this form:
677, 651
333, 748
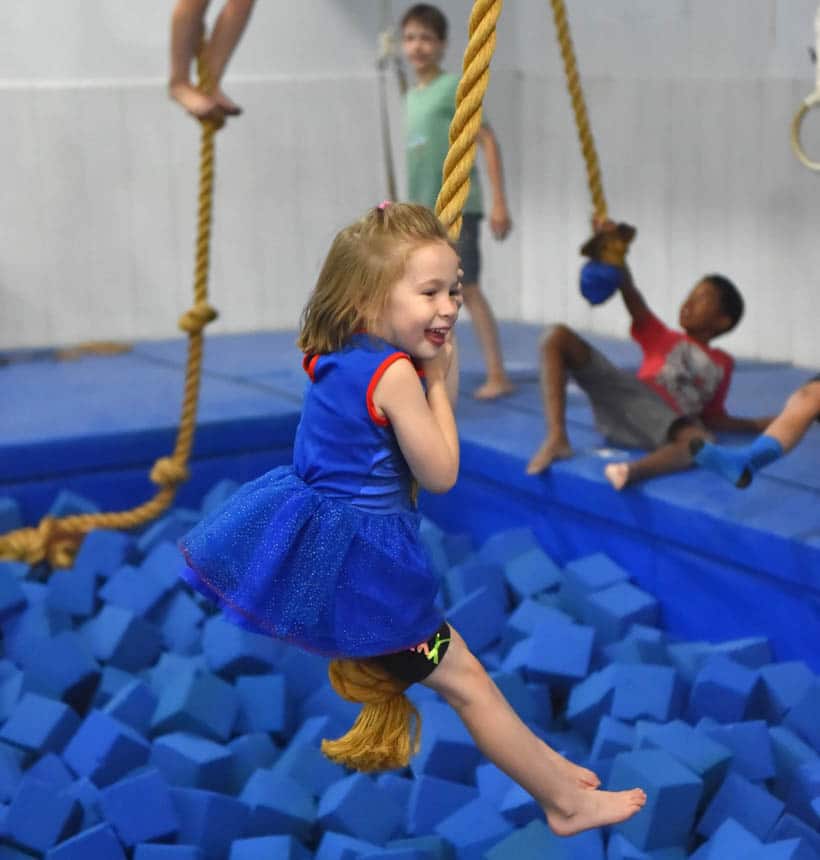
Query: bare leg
569, 806
560, 350
674, 456
187, 27
497, 382
226, 34
801, 409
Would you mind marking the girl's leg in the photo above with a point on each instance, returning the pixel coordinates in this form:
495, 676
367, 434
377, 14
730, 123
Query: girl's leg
481, 314
226, 34
739, 464
560, 350
187, 28
499, 733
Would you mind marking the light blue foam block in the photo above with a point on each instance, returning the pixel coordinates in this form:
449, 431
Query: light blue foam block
104, 749
278, 804
39, 724
502, 546
190, 761
249, 753
38, 818
749, 804
473, 829
750, 745
531, 573
120, 638
724, 690
479, 618
95, 843
200, 703
354, 805
264, 705
446, 750
613, 610
268, 848
210, 820
231, 650
133, 704
432, 799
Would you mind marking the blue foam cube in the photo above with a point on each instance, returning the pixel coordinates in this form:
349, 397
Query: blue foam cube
802, 718
149, 851
519, 807
470, 576
479, 618
672, 793
133, 704
95, 843
10, 517
556, 652
432, 800
28, 631
140, 809
63, 668
88, 796
431, 847
12, 596
39, 724
723, 690
537, 842
171, 670
354, 805
791, 827
211, 821
118, 637
73, 591
804, 793
134, 589
168, 529
249, 753
750, 745
753, 652
231, 651
620, 848
590, 699
103, 551
446, 750
750, 805
532, 572
703, 756
278, 804
50, 770
104, 749
268, 848
789, 753
396, 787
647, 692
473, 829
589, 574
457, 547
528, 615
784, 685
522, 698
218, 495
340, 846
180, 623
730, 839
505, 545
303, 672
303, 760
199, 703
68, 503
186, 760
640, 645
613, 610
612, 737
38, 817
264, 705
10, 772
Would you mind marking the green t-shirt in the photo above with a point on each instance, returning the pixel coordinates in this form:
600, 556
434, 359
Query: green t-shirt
429, 112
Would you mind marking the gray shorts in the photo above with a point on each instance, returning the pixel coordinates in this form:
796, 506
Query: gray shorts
469, 250
627, 411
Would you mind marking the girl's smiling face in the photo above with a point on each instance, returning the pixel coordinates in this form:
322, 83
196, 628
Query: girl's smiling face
423, 304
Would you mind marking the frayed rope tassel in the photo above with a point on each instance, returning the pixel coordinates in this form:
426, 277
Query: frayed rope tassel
388, 729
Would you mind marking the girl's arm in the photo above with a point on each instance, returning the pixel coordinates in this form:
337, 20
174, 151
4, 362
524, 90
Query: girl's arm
500, 222
425, 426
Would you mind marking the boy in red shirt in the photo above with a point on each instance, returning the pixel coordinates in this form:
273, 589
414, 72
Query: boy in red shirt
679, 391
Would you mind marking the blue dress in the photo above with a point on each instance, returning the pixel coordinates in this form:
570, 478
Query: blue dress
325, 554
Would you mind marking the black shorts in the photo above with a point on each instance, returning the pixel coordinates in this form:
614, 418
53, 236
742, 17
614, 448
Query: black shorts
469, 250
415, 664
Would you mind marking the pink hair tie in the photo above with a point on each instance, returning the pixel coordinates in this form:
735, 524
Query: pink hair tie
383, 205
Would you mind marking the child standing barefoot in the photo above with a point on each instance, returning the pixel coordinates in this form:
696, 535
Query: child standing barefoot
187, 30
325, 554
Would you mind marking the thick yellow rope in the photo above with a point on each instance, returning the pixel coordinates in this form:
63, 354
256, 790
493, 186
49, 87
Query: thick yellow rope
579, 109
466, 121
57, 540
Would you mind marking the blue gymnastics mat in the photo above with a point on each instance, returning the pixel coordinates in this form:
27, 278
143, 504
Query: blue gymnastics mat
723, 563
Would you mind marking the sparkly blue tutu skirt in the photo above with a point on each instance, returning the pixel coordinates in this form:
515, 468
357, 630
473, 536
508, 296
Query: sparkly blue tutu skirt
281, 558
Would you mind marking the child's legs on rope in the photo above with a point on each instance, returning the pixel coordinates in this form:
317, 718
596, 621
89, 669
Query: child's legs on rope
564, 791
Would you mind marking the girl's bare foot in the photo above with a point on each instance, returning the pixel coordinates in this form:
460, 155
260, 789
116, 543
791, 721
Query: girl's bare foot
584, 810
194, 101
617, 474
228, 106
552, 449
493, 388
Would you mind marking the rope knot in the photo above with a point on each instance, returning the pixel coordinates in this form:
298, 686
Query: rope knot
197, 317
166, 472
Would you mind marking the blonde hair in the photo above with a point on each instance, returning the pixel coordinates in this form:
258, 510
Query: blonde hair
364, 262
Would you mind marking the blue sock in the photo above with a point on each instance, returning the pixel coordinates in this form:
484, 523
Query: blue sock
738, 465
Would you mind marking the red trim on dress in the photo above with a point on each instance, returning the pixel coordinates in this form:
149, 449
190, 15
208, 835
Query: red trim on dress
381, 420
309, 365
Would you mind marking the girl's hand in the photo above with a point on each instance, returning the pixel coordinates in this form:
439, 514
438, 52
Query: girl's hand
436, 369
500, 221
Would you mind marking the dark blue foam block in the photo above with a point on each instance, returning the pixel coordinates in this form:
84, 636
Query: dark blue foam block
750, 745
730, 839
432, 800
104, 749
531, 573
802, 718
268, 848
10, 518
186, 760
528, 615
12, 597
133, 589
10, 772
172, 670
473, 829
590, 699
640, 645
88, 796
555, 652
264, 705
790, 827
140, 809
68, 504
620, 848
725, 691
789, 752
612, 611
784, 685
705, 757
340, 846
201, 703
39, 724
612, 737
249, 753
523, 698
96, 843
210, 820
103, 551
303, 672
354, 805
433, 847
501, 547
134, 704
50, 770
805, 792
73, 591
672, 792
63, 668
120, 638
479, 618
180, 623
749, 804
150, 851
38, 817
232, 651
447, 750
278, 804
25, 633
473, 574
303, 761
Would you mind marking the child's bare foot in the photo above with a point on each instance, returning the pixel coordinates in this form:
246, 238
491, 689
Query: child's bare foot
493, 388
584, 810
228, 106
617, 474
194, 101
552, 449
